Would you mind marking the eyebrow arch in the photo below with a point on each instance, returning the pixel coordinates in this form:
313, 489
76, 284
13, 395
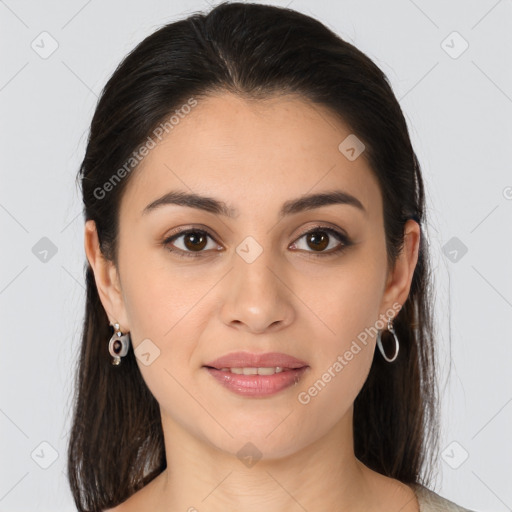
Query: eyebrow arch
293, 206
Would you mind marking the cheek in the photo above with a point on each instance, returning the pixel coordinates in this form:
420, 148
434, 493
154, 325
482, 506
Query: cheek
164, 306
343, 302
157, 294
344, 354
347, 308
163, 311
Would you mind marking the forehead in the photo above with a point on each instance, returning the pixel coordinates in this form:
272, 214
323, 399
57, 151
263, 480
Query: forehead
241, 150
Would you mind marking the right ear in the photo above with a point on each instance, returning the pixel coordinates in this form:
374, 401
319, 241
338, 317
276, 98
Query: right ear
106, 277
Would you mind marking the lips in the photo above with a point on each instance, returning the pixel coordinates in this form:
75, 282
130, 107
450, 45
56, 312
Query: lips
250, 360
256, 375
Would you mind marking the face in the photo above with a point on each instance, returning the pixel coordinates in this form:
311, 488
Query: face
309, 282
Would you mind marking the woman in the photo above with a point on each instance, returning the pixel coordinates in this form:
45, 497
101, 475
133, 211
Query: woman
254, 231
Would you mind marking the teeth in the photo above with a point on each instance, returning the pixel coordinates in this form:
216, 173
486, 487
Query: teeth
253, 371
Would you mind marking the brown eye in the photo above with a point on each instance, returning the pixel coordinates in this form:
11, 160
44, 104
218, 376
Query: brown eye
193, 242
321, 238
318, 240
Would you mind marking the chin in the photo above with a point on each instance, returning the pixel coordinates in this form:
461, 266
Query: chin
262, 438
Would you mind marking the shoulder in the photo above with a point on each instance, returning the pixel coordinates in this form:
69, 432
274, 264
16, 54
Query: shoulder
430, 501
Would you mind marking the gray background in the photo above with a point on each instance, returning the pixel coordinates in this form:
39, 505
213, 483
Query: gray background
458, 105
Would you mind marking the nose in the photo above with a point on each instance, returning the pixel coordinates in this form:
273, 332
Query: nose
256, 296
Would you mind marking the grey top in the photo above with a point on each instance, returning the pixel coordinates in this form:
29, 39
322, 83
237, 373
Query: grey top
430, 501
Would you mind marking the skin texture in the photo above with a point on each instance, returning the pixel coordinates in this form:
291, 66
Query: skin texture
255, 156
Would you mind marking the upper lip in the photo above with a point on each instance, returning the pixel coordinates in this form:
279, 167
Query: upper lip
250, 360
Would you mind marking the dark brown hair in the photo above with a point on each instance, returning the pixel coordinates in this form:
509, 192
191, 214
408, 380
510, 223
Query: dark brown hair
254, 51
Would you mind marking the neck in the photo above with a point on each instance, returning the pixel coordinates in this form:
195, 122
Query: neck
322, 476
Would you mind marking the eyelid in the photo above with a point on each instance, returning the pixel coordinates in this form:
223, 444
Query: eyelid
323, 225
185, 229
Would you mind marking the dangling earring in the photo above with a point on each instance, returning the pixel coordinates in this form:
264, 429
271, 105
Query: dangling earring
381, 348
118, 345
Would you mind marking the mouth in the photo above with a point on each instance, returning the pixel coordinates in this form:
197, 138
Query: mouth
248, 360
253, 370
257, 375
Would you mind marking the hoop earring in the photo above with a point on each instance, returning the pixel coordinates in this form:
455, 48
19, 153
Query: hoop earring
381, 348
118, 345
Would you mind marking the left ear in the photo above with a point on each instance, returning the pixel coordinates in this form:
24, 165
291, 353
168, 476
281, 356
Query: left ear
400, 277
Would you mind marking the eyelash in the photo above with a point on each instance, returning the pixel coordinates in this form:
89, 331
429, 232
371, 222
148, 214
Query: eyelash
345, 242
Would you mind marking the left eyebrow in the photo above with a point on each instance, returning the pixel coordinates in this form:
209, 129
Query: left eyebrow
293, 206
311, 201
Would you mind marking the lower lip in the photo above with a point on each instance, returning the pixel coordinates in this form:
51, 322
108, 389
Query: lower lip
257, 385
